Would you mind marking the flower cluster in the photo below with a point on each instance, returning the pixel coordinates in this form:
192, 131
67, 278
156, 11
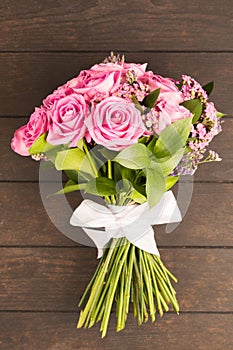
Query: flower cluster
99, 105
203, 130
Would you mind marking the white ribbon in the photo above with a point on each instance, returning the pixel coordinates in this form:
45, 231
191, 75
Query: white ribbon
132, 221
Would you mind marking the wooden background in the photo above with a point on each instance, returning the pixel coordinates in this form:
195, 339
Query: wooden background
43, 273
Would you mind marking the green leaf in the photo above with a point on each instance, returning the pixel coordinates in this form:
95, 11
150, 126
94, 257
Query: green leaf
72, 175
155, 184
117, 171
169, 163
42, 146
173, 138
80, 144
101, 186
171, 181
107, 153
77, 177
209, 87
151, 144
126, 173
71, 188
137, 197
220, 115
73, 159
143, 139
150, 99
134, 157
70, 183
140, 188
195, 107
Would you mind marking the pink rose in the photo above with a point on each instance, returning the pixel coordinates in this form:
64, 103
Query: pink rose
167, 107
168, 114
115, 123
25, 136
67, 115
102, 79
169, 91
139, 69
62, 91
92, 81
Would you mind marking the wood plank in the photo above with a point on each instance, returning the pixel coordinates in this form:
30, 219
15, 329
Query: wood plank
57, 331
13, 167
143, 24
24, 221
26, 78
54, 278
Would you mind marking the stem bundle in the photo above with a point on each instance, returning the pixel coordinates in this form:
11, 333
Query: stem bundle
125, 275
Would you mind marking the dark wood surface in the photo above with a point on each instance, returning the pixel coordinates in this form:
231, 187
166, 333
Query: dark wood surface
100, 25
43, 273
58, 331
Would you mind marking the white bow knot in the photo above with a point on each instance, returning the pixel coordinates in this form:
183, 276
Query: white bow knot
133, 221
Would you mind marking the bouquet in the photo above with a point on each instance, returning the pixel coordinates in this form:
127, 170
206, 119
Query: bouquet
126, 135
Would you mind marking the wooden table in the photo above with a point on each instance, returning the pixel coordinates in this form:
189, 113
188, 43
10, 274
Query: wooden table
43, 273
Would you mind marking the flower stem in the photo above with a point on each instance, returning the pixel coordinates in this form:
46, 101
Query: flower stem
113, 199
127, 274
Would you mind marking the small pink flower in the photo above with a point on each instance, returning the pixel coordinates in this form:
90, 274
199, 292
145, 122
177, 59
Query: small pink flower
201, 131
25, 136
210, 111
67, 115
115, 123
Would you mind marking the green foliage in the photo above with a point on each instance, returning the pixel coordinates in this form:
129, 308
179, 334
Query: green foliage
220, 115
173, 138
209, 87
102, 186
71, 188
169, 163
42, 146
137, 197
171, 181
155, 184
73, 159
134, 157
195, 107
150, 99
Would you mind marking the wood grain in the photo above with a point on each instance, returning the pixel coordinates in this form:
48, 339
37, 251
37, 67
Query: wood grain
126, 25
26, 78
43, 273
24, 221
54, 278
58, 332
14, 167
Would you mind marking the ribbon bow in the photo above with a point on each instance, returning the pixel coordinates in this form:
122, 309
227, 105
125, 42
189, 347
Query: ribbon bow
133, 221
